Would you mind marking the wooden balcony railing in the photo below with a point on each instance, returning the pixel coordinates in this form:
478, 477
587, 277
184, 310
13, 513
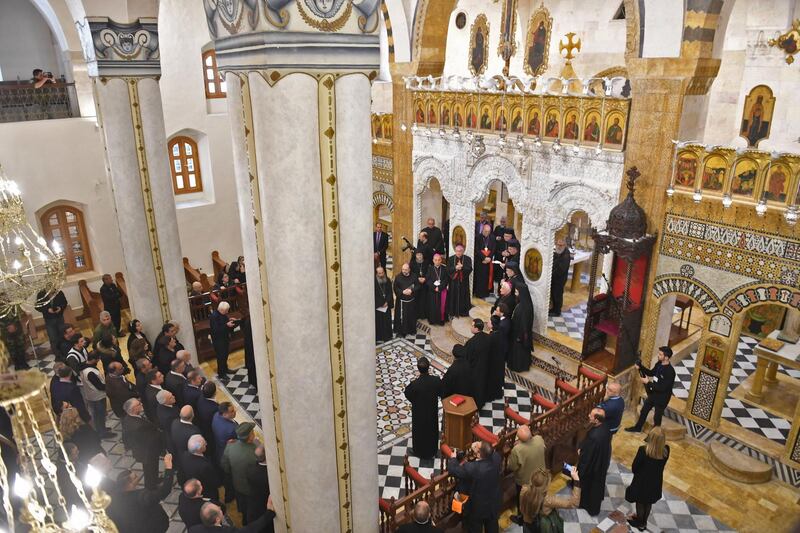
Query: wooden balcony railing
20, 102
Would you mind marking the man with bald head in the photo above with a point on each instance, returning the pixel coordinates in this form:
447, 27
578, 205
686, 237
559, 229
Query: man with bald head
211, 518
166, 413
196, 465
422, 520
406, 287
614, 406
175, 380
197, 289
526, 457
182, 428
435, 238
118, 389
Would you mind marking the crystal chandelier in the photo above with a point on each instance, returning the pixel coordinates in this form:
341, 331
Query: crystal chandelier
36, 484
30, 271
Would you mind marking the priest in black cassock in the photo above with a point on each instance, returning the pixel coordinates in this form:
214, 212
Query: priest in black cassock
435, 237
384, 302
459, 268
424, 393
500, 230
507, 297
405, 293
458, 378
419, 270
593, 462
479, 351
561, 260
423, 245
519, 357
512, 257
501, 331
484, 268
437, 281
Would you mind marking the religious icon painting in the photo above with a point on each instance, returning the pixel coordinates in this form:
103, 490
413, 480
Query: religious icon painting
387, 124
686, 170
714, 355
507, 46
419, 113
571, 127
377, 128
459, 236
591, 127
471, 117
533, 264
517, 122
552, 125
534, 122
500, 120
757, 115
714, 171
432, 115
479, 45
776, 186
458, 116
537, 42
445, 114
743, 182
486, 117
615, 129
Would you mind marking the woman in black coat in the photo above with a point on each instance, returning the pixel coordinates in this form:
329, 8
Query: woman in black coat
648, 477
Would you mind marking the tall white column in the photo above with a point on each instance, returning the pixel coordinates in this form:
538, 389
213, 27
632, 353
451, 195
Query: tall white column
299, 103
125, 75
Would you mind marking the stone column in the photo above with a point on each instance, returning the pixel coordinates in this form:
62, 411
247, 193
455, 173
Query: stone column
125, 72
299, 104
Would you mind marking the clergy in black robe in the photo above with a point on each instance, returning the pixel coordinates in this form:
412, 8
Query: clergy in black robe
519, 357
511, 258
419, 270
484, 268
437, 281
501, 229
501, 253
561, 261
423, 245
424, 393
498, 349
507, 297
384, 302
593, 462
459, 268
405, 293
435, 238
458, 378
479, 352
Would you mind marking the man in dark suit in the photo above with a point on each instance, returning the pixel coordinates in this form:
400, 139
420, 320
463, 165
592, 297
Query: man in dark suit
224, 428
485, 494
143, 439
422, 520
134, 509
175, 380
380, 243
143, 367
658, 382
191, 501
166, 413
191, 389
118, 389
65, 390
258, 480
155, 380
221, 327
211, 516
198, 466
182, 429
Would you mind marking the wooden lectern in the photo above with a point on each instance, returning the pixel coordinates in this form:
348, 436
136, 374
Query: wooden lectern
457, 422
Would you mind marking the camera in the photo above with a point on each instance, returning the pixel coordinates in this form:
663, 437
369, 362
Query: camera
408, 245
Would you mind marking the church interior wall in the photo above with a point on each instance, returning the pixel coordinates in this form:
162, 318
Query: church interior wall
26, 42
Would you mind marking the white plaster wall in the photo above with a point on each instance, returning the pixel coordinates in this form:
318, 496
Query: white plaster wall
382, 97
213, 225
603, 39
663, 20
73, 170
26, 42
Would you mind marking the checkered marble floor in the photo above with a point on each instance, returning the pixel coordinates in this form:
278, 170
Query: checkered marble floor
571, 321
668, 515
241, 391
741, 413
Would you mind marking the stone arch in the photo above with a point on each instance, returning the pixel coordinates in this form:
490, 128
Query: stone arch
745, 296
426, 169
496, 167
382, 198
696, 290
566, 199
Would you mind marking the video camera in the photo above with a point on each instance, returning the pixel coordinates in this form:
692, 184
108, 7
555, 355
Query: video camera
408, 245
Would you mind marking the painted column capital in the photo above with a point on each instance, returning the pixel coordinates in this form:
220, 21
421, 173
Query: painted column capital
121, 48
295, 35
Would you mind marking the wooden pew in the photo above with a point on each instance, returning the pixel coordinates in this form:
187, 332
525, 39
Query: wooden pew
219, 264
201, 307
123, 288
193, 274
92, 303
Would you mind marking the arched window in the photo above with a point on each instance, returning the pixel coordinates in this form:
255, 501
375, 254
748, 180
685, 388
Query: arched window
184, 165
64, 223
213, 80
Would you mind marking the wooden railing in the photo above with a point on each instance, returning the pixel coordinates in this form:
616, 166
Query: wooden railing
560, 427
21, 102
92, 303
201, 307
193, 274
123, 289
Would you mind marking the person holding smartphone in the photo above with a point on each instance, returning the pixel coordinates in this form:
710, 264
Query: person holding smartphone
537, 506
658, 382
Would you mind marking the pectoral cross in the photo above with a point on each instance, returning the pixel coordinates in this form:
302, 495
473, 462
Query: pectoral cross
507, 44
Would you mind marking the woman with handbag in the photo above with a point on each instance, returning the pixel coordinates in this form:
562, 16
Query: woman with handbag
538, 508
648, 477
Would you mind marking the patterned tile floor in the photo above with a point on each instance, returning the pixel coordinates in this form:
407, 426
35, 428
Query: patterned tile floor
745, 415
571, 321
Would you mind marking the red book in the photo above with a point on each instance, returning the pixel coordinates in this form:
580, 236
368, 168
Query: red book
455, 401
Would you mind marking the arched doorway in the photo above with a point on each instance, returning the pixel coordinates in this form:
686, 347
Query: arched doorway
433, 205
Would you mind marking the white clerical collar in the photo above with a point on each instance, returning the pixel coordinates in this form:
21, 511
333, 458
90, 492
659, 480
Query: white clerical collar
263, 464
185, 422
177, 374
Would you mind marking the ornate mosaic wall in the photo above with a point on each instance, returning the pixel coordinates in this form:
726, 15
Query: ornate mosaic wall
704, 395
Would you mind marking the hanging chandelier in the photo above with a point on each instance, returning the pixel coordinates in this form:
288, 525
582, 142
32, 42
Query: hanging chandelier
31, 272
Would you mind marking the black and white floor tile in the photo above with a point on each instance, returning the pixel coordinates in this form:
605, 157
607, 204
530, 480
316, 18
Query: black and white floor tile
244, 394
571, 322
740, 412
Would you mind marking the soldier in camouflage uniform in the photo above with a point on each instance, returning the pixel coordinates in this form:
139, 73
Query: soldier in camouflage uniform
14, 338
